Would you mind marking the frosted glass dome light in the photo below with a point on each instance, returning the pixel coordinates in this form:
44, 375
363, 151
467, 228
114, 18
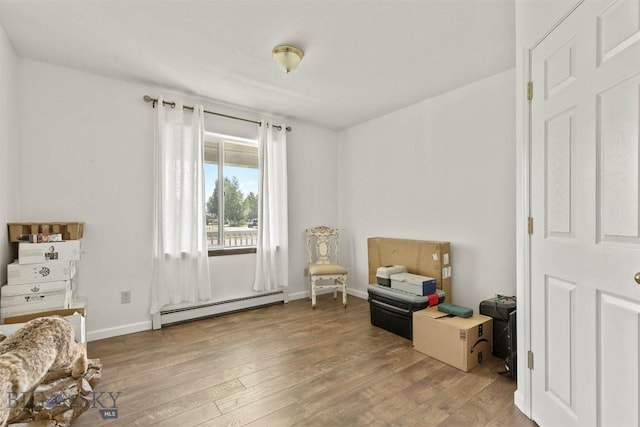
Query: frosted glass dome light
287, 56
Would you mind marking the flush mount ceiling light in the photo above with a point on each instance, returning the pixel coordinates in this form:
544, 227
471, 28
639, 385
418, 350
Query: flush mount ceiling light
288, 57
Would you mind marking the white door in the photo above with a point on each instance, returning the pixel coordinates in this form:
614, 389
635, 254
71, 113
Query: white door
585, 203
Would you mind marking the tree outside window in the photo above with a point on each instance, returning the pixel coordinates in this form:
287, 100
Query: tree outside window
239, 210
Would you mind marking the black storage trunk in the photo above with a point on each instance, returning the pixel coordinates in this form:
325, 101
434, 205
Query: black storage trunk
393, 310
499, 309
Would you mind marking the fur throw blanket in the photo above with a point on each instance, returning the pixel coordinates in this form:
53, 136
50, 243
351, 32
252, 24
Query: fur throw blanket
26, 356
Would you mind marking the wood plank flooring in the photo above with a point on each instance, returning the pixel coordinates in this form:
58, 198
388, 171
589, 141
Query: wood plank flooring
289, 365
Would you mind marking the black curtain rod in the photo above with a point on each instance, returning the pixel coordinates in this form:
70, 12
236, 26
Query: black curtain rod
154, 101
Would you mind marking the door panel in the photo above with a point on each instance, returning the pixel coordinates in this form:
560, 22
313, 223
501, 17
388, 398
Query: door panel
560, 69
618, 341
585, 201
618, 28
559, 174
618, 114
561, 352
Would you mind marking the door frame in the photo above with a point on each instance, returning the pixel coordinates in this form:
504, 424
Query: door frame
523, 394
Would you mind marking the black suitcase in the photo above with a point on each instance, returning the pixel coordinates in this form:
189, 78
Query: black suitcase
500, 309
510, 364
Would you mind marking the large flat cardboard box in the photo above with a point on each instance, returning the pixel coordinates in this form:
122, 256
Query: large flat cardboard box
463, 343
423, 257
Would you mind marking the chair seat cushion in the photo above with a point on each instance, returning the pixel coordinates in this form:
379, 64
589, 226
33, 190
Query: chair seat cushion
322, 269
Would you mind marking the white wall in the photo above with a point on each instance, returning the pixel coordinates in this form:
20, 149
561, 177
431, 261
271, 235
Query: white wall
534, 19
313, 195
439, 170
8, 148
86, 144
312, 192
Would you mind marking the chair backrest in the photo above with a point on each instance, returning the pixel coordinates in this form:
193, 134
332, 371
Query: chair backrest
323, 245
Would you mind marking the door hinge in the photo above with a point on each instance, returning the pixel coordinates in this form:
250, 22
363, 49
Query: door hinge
529, 91
529, 225
530, 359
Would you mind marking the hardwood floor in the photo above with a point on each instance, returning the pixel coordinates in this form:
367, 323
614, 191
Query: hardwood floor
288, 365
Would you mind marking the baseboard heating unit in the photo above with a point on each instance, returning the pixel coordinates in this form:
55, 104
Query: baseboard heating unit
183, 313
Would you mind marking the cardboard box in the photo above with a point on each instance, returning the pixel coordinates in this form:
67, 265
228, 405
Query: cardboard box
31, 308
383, 274
34, 288
34, 253
69, 230
60, 312
423, 257
414, 283
61, 298
463, 343
76, 319
52, 271
78, 303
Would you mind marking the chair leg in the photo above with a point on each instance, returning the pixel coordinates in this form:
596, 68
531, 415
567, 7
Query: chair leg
313, 292
344, 291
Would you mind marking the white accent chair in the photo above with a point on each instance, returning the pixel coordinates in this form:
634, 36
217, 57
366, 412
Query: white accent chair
325, 272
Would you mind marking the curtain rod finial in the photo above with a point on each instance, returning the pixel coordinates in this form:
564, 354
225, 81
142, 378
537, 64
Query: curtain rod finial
153, 101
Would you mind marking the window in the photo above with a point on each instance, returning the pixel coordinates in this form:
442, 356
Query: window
232, 208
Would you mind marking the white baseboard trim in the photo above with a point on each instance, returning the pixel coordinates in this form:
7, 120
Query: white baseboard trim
298, 295
357, 293
147, 324
518, 400
187, 312
119, 330
305, 294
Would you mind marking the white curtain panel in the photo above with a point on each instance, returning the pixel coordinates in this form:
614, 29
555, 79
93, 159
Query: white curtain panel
180, 267
272, 254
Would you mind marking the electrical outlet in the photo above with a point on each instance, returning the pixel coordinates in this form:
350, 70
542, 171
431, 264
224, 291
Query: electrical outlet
125, 297
306, 272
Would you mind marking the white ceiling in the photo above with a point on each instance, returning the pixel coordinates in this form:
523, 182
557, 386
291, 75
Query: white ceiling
362, 58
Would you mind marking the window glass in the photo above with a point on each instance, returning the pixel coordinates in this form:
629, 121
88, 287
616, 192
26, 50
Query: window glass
232, 209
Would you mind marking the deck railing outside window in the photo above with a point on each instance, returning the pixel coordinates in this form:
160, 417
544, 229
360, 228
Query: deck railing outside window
238, 237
